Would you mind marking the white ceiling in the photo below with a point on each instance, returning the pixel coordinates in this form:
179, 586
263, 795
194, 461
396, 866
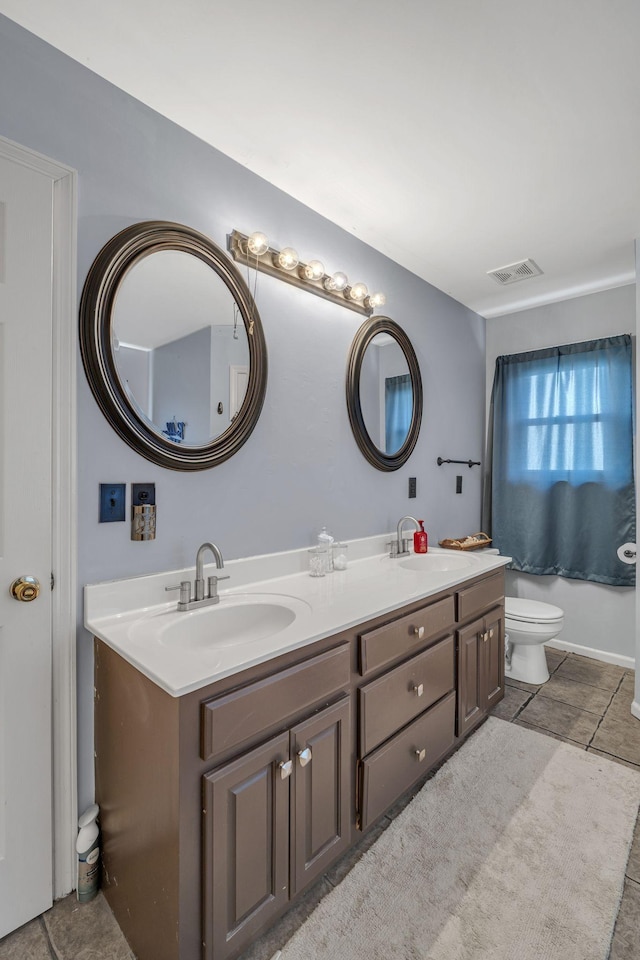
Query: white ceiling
455, 136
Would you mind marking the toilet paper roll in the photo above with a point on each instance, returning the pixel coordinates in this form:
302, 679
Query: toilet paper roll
627, 553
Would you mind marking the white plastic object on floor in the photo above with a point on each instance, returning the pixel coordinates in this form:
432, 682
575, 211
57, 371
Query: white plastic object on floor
88, 850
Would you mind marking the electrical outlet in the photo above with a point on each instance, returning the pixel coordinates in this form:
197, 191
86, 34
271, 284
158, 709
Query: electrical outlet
143, 511
412, 487
112, 502
143, 494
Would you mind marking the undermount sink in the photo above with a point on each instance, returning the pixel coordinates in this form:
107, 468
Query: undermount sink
436, 562
240, 619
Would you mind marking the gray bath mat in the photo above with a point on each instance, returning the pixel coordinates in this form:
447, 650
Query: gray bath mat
515, 850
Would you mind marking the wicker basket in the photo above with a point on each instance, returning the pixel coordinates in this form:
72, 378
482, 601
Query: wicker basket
474, 541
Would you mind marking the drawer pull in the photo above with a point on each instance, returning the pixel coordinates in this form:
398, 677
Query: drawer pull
304, 756
418, 632
286, 768
420, 755
418, 689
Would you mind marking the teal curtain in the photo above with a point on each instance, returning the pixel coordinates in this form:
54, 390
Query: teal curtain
398, 406
560, 496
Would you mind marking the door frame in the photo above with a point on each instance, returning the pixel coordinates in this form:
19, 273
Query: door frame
64, 514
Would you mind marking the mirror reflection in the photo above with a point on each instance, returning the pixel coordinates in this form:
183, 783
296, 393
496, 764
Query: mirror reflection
180, 347
386, 393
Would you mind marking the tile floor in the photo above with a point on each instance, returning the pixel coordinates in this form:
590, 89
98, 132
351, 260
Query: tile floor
585, 703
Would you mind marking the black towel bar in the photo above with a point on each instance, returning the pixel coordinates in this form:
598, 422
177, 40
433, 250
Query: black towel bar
469, 463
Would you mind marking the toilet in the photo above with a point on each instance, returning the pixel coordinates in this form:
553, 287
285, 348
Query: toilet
529, 624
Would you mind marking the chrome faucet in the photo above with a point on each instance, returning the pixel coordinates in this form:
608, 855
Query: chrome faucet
189, 602
400, 546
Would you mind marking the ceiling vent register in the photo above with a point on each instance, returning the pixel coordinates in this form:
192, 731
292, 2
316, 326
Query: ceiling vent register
514, 272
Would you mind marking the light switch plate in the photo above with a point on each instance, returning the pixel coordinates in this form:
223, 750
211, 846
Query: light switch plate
112, 502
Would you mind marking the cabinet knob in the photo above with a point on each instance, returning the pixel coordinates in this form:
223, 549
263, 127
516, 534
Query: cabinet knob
304, 756
491, 634
418, 632
286, 767
420, 755
485, 636
418, 689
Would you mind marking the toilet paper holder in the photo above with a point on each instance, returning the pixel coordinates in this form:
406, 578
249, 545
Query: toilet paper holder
627, 552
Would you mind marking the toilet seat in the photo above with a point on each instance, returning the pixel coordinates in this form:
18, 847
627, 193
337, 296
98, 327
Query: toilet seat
531, 611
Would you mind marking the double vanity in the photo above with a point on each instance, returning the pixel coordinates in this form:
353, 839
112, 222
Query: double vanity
244, 746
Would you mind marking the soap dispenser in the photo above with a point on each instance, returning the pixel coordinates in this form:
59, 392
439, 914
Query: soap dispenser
420, 539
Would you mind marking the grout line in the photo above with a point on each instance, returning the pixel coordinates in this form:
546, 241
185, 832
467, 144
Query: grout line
525, 704
52, 951
606, 711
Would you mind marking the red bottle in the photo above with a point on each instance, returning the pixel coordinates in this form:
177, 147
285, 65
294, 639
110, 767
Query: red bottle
420, 539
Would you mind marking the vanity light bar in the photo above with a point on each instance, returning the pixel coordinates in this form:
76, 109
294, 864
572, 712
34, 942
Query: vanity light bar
255, 251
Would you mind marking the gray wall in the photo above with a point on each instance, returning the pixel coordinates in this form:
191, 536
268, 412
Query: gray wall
182, 384
597, 616
134, 370
301, 466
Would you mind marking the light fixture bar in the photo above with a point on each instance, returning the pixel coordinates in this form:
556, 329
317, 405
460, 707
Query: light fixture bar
267, 263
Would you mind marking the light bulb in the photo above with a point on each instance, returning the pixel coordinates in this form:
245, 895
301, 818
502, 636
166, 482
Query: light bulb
358, 291
314, 270
257, 244
375, 300
337, 282
288, 258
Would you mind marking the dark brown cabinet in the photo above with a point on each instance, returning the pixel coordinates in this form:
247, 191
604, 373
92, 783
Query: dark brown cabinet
246, 842
274, 820
321, 795
480, 669
219, 807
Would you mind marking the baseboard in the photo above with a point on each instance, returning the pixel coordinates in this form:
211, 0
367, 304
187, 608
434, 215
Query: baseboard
635, 709
628, 663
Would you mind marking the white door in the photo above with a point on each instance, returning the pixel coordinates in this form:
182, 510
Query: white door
25, 543
238, 383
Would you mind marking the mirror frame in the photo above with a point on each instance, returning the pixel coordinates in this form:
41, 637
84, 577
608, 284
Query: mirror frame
365, 334
106, 274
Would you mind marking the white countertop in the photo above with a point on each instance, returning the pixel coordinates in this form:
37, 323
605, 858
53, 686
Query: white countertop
130, 615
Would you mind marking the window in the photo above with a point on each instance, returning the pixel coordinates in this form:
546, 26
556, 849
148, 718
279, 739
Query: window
562, 494
398, 411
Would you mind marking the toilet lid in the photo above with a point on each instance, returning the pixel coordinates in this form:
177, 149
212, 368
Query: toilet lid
531, 611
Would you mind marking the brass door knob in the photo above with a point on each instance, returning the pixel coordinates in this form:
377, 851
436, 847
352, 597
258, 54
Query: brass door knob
25, 589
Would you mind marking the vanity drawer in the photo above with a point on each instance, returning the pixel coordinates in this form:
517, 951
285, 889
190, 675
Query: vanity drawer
480, 596
391, 701
392, 768
260, 707
402, 636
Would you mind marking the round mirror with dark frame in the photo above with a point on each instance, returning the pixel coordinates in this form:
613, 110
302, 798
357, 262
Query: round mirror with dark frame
173, 346
384, 393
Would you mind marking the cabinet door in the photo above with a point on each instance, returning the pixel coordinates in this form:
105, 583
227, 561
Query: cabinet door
246, 846
321, 792
471, 696
492, 667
